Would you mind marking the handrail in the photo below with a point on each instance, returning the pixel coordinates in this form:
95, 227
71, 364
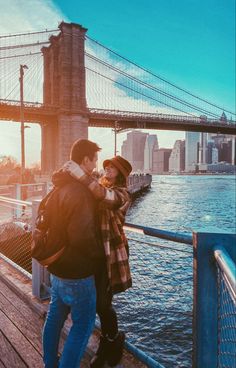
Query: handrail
15, 201
168, 235
143, 357
136, 352
32, 184
157, 233
227, 266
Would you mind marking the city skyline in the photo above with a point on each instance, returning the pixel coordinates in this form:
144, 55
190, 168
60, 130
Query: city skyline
188, 70
197, 152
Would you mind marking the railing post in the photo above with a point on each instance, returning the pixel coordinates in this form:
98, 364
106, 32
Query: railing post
40, 276
205, 304
17, 211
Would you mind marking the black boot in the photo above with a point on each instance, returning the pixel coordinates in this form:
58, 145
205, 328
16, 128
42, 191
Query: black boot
115, 349
100, 357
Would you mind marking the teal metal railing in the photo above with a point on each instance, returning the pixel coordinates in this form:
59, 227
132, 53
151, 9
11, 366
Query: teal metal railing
226, 278
214, 290
214, 313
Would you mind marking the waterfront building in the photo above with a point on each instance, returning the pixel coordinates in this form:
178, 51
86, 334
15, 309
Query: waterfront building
203, 148
124, 150
150, 144
177, 157
210, 146
160, 160
133, 149
191, 151
212, 156
233, 157
221, 167
225, 152
215, 156
226, 147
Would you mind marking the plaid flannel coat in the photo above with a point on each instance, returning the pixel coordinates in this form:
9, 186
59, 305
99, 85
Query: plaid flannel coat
115, 242
114, 203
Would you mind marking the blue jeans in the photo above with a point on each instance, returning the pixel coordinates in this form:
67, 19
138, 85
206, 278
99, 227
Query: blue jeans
77, 297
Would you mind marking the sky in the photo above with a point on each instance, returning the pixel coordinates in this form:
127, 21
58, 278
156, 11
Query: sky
189, 42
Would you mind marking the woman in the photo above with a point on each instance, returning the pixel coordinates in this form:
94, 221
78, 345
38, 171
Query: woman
114, 199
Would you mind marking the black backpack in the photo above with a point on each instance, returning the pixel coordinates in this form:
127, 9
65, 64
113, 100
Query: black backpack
49, 235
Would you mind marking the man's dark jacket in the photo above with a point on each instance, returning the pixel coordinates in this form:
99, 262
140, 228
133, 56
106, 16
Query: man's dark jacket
77, 224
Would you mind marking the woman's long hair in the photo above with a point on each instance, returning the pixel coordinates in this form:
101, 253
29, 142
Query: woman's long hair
119, 182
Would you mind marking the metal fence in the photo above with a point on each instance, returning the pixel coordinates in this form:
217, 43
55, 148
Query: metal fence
15, 232
226, 278
158, 309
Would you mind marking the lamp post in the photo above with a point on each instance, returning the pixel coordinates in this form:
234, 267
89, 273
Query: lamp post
115, 132
21, 79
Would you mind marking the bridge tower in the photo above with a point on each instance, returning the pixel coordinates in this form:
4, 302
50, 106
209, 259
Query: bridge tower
64, 88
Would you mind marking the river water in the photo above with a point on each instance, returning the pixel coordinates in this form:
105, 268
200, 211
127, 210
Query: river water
156, 313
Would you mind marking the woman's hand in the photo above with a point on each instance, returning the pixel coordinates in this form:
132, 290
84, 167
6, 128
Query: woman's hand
73, 169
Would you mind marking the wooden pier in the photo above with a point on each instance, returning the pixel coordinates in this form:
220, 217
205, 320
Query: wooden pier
20, 340
21, 320
137, 183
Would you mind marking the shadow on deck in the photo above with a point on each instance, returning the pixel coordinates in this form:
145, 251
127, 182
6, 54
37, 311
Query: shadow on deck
21, 321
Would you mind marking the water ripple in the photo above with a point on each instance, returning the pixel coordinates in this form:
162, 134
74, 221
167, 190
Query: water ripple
157, 312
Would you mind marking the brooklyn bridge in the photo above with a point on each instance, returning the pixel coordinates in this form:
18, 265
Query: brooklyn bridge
72, 82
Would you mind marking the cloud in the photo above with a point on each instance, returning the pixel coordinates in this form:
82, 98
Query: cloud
19, 16
115, 83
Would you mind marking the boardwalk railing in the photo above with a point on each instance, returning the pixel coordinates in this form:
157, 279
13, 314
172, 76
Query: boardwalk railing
214, 290
226, 272
214, 317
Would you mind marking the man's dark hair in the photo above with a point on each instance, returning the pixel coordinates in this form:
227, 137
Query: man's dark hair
82, 148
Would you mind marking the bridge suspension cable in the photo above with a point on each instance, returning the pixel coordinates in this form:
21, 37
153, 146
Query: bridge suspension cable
112, 81
151, 87
20, 55
161, 78
28, 33
23, 45
133, 90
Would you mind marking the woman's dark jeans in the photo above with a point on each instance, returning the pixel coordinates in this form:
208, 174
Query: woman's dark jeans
105, 311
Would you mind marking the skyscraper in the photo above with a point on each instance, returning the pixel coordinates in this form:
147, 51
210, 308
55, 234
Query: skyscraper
233, 158
150, 144
191, 151
226, 147
212, 152
177, 157
133, 149
160, 160
203, 148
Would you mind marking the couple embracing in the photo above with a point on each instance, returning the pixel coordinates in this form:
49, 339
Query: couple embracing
94, 265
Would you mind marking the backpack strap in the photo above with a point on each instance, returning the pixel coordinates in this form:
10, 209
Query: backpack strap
45, 200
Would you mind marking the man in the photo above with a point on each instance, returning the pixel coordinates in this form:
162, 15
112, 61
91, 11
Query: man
73, 287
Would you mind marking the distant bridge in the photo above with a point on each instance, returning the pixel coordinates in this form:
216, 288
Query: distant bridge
40, 113
72, 82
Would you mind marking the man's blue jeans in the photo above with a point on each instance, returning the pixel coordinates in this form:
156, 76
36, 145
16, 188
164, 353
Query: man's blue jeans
77, 297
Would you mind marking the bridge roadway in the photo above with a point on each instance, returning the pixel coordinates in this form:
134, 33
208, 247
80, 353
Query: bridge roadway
40, 113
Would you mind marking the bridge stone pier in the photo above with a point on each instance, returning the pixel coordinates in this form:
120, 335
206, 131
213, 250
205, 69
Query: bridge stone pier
64, 87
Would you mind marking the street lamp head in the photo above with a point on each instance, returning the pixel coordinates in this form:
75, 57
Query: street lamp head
24, 66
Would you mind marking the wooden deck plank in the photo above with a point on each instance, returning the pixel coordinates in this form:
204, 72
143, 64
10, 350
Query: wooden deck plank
24, 348
33, 334
8, 355
22, 307
16, 289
